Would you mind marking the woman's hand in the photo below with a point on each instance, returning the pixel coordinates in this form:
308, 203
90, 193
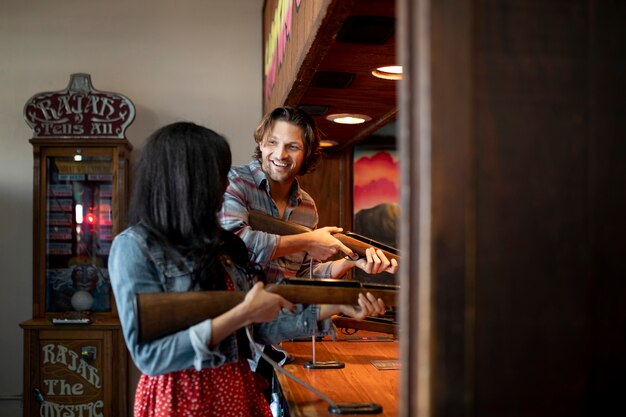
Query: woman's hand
257, 306
262, 306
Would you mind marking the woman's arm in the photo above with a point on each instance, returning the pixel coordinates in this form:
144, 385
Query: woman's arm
132, 272
258, 306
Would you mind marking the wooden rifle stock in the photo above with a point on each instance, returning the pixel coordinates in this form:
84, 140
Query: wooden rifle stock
266, 223
160, 314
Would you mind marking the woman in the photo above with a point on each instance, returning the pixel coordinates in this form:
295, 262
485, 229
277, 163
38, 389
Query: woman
175, 243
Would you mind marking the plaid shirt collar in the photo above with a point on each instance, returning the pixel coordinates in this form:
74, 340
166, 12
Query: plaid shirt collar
260, 179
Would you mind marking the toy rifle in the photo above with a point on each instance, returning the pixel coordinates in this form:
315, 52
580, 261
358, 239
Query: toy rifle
160, 314
358, 243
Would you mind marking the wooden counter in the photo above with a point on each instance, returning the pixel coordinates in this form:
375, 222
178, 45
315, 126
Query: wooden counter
359, 382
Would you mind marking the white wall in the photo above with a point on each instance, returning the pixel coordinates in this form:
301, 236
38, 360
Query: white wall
196, 60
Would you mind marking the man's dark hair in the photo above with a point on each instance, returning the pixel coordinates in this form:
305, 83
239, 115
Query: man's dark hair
296, 117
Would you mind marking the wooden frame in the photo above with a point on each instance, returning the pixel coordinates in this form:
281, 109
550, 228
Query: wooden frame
110, 367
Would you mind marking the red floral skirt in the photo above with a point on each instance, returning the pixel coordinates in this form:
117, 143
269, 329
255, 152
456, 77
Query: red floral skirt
229, 390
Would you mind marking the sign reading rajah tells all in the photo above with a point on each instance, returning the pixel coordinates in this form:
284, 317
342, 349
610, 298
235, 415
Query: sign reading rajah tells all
79, 111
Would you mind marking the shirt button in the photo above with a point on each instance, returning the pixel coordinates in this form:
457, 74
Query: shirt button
306, 324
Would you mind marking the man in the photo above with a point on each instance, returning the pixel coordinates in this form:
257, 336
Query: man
287, 146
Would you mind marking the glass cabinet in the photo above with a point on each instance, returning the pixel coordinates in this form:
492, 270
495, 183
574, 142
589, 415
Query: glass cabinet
81, 203
75, 359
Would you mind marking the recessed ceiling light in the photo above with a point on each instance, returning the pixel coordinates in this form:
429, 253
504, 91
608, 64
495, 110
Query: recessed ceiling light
327, 143
392, 72
348, 119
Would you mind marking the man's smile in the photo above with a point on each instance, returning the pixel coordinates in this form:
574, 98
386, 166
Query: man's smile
280, 164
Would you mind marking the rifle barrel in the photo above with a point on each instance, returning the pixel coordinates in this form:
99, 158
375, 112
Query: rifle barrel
160, 314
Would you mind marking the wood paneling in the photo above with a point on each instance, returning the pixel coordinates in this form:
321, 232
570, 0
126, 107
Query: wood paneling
532, 134
313, 47
70, 382
514, 152
288, 33
331, 188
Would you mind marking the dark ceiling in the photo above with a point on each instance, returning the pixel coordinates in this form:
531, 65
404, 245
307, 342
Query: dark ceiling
355, 38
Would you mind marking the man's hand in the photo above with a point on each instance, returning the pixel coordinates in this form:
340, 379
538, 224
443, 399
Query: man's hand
376, 262
323, 245
368, 305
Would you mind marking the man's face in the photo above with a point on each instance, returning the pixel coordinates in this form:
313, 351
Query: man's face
282, 152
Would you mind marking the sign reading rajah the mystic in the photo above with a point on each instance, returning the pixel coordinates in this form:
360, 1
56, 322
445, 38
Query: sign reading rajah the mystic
79, 111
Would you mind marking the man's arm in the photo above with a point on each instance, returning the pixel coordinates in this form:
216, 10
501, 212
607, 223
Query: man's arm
319, 244
374, 262
374, 259
234, 216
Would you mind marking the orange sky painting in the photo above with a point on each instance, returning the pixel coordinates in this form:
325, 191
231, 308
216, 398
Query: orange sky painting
376, 179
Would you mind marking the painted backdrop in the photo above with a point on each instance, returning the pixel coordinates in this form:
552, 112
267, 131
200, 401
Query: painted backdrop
376, 197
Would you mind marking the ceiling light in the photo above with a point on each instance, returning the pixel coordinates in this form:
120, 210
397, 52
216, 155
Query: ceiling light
348, 119
327, 143
392, 72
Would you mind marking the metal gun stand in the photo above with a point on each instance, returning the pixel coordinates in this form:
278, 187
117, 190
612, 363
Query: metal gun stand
313, 364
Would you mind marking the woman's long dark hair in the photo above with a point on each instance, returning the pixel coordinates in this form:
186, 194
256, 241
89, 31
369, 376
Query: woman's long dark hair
179, 187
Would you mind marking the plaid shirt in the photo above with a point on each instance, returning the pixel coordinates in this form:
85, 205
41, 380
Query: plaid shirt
249, 190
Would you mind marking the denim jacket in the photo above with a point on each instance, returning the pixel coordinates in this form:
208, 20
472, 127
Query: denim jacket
138, 265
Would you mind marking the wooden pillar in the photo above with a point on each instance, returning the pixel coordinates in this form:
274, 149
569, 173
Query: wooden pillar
513, 171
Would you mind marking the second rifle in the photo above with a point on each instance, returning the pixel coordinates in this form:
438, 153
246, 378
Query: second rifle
358, 243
